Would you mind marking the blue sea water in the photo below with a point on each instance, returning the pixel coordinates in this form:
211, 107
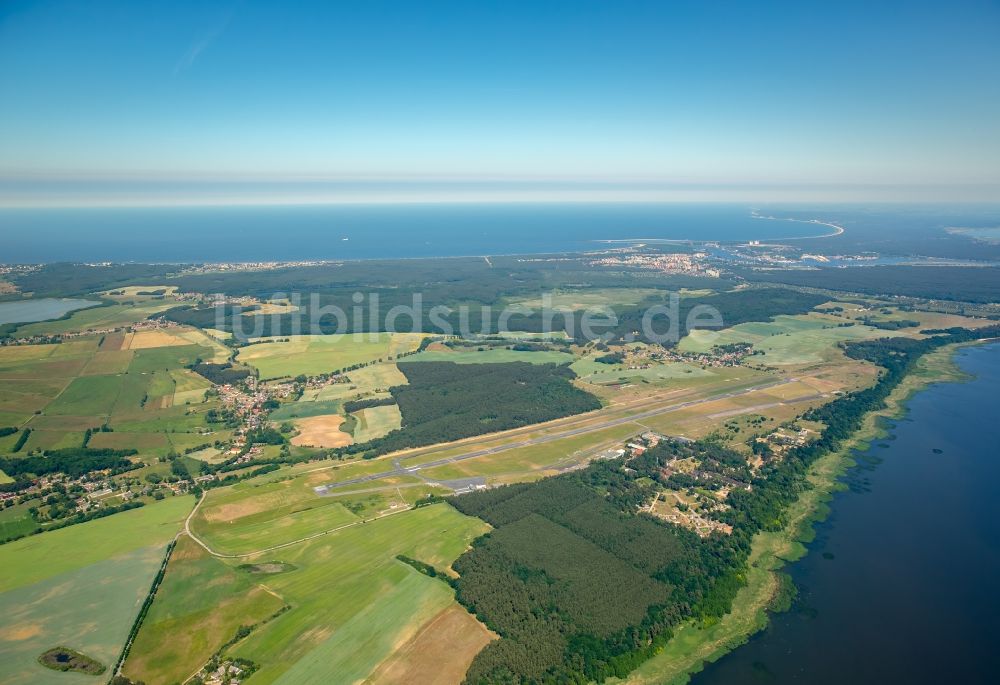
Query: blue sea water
212, 234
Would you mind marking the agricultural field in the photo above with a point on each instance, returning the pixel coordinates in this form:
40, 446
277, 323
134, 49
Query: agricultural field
318, 354
178, 636
139, 294
305, 408
786, 341
248, 517
16, 520
142, 392
375, 422
597, 373
55, 584
354, 606
365, 383
322, 430
340, 588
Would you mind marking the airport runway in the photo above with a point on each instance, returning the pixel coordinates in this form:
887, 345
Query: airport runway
401, 470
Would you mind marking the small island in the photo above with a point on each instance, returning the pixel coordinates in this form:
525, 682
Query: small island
66, 659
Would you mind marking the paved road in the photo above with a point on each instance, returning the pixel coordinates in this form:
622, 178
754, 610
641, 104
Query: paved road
402, 470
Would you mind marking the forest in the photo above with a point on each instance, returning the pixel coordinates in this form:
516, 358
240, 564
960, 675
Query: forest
733, 307
73, 461
963, 284
441, 281
580, 586
445, 401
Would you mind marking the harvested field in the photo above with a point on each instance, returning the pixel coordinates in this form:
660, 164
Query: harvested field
112, 342
321, 431
147, 339
439, 654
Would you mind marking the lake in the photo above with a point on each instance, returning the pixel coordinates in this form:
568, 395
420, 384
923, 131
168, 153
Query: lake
197, 234
45, 309
900, 585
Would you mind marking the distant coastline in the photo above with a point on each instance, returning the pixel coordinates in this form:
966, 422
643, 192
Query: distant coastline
241, 234
837, 229
754, 214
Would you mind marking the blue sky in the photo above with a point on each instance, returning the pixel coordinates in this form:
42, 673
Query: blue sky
863, 96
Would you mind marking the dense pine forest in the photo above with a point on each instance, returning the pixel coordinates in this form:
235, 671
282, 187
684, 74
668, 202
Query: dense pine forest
445, 401
931, 282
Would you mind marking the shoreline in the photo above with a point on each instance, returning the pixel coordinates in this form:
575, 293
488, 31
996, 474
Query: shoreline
692, 647
837, 229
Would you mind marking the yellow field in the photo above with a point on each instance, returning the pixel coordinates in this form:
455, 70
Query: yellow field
321, 431
143, 340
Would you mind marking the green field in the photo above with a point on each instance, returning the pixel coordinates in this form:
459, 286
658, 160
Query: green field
33, 376
88, 396
260, 513
788, 340
365, 383
375, 422
188, 386
80, 587
304, 409
364, 641
318, 354
39, 557
16, 520
352, 603
598, 373
370, 379
339, 592
89, 609
61, 390
272, 527
198, 607
153, 359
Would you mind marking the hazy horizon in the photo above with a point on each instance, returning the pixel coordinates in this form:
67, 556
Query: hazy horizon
115, 103
152, 193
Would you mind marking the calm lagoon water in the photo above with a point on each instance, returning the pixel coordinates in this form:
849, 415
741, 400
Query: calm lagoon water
364, 231
900, 585
46, 309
